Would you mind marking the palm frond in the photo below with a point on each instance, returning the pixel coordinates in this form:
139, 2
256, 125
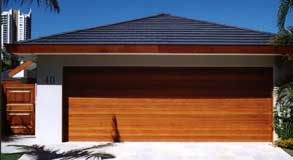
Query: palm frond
41, 152
284, 37
51, 4
282, 13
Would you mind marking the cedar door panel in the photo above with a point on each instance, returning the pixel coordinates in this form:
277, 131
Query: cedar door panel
167, 104
20, 108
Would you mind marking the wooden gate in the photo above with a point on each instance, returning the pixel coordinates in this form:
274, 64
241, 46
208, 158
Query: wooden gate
20, 108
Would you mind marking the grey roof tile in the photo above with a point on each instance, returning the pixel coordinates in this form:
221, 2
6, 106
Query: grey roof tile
160, 29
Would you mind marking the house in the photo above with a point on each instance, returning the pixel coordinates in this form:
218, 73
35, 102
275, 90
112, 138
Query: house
158, 78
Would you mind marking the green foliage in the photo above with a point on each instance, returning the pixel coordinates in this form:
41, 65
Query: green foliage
283, 112
287, 143
284, 37
51, 4
284, 8
9, 60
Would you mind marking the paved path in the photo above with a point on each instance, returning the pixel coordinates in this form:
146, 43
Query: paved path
174, 151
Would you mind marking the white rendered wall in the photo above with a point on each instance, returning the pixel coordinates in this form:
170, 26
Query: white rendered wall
48, 114
19, 74
49, 96
53, 65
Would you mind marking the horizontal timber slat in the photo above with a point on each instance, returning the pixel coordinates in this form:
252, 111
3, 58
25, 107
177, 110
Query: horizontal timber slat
178, 138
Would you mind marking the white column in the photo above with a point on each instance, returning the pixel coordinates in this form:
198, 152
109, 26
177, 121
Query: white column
49, 114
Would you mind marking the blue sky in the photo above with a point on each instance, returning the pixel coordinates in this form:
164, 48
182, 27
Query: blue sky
78, 14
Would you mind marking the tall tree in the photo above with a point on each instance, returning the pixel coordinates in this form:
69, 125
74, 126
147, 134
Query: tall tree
284, 8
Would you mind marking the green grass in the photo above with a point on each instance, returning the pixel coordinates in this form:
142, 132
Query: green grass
10, 156
289, 151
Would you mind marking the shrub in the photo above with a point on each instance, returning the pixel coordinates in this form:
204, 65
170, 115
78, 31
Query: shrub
286, 143
283, 113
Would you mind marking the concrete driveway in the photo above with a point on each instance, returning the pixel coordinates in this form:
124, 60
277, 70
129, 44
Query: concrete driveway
168, 151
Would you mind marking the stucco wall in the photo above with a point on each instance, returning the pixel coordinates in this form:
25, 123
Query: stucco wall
50, 68
53, 65
48, 114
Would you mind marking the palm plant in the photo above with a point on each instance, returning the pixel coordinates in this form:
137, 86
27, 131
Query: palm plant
283, 112
51, 4
284, 36
284, 8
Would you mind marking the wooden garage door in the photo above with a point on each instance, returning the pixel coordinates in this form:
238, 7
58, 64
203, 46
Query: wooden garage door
167, 104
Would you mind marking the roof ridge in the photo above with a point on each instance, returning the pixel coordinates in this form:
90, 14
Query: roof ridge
99, 26
131, 20
226, 25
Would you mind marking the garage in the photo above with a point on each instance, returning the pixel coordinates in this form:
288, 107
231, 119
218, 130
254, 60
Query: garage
167, 104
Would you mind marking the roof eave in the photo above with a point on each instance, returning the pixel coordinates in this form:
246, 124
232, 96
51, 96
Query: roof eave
148, 48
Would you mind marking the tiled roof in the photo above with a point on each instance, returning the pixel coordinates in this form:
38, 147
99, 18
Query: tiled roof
160, 29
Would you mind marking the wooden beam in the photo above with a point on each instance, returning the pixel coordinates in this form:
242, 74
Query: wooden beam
92, 48
19, 68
